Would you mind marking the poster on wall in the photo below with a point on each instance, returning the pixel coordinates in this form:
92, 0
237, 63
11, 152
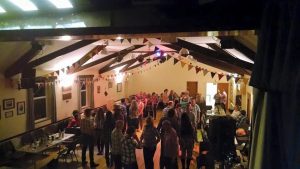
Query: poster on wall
20, 108
66, 93
8, 104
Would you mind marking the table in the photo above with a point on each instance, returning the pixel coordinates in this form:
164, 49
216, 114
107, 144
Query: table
41, 148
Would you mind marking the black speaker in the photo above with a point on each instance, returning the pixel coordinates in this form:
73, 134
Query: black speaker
28, 78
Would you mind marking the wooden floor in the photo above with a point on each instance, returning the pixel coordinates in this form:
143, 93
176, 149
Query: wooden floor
41, 163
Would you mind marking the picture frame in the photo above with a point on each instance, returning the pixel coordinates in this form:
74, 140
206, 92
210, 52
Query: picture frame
110, 84
9, 114
98, 89
8, 104
119, 87
21, 108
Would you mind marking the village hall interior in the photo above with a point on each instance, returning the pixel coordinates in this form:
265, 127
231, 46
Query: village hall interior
64, 62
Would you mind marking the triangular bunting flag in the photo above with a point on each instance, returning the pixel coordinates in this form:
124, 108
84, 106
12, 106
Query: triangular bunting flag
190, 66
121, 40
228, 77
220, 76
245, 80
57, 72
175, 61
205, 71
150, 44
145, 40
156, 48
63, 70
129, 40
212, 74
237, 79
182, 64
52, 74
168, 57
197, 69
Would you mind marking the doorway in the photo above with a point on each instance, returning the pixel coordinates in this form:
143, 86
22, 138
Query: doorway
192, 87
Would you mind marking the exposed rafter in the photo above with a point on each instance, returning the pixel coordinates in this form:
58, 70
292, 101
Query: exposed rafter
21, 63
215, 54
127, 63
60, 52
200, 57
135, 66
89, 55
231, 42
108, 57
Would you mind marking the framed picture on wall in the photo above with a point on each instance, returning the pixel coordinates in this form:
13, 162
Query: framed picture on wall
119, 87
8, 104
20, 108
9, 114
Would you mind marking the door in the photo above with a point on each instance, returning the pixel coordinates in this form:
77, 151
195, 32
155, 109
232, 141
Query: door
192, 87
224, 87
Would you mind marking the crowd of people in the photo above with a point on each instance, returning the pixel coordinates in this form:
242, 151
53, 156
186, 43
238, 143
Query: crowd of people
114, 131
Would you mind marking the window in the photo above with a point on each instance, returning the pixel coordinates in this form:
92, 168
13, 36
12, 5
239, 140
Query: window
83, 93
39, 101
211, 90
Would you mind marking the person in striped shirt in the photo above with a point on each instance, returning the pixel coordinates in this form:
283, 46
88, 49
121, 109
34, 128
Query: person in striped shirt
87, 132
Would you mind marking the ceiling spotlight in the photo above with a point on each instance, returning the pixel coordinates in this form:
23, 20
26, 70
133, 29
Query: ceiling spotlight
184, 52
65, 38
119, 38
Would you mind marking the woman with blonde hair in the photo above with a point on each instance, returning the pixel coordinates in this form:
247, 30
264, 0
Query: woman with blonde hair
133, 115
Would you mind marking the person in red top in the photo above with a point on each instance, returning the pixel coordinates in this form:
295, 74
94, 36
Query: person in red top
75, 121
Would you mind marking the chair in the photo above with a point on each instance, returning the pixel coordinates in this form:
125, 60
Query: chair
8, 153
69, 151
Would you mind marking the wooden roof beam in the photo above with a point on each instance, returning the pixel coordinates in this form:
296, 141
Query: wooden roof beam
215, 54
60, 52
21, 63
108, 57
127, 63
210, 61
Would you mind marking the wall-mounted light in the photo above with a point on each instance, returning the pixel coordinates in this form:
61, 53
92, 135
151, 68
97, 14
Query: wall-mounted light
65, 38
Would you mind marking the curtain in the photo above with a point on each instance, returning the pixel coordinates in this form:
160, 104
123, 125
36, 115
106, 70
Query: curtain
276, 116
51, 100
30, 110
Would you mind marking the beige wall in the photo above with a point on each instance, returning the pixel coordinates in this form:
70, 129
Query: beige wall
16, 124
172, 77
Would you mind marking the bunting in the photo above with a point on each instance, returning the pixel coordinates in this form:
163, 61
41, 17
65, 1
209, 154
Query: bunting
182, 64
220, 76
212, 74
228, 77
129, 40
121, 40
57, 72
175, 61
190, 66
197, 69
205, 71
168, 57
145, 40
